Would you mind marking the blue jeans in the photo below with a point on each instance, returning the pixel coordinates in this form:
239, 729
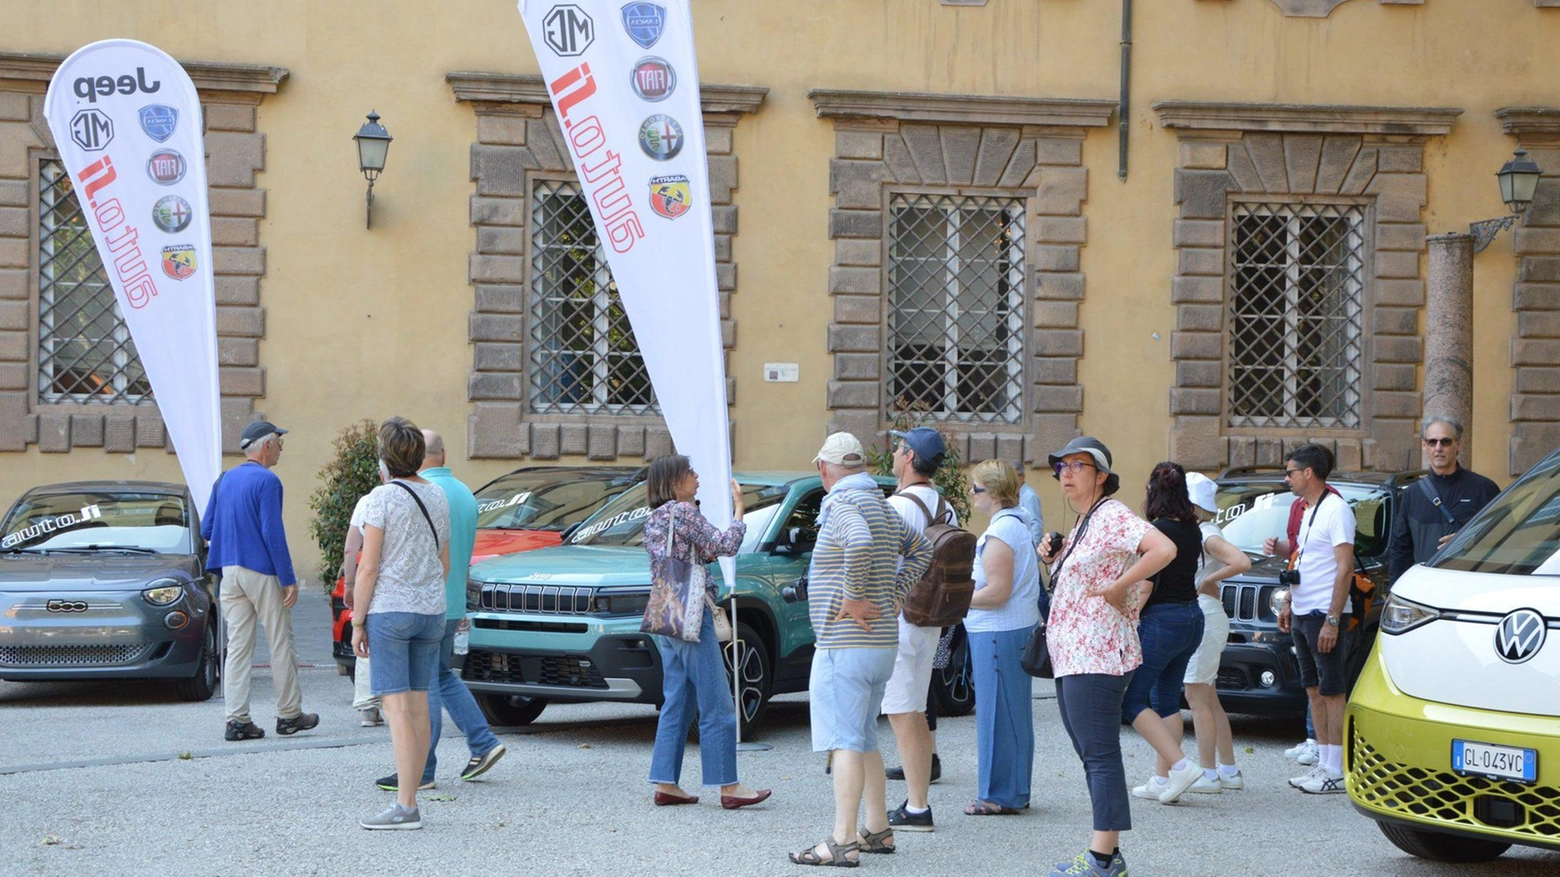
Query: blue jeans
449, 693
404, 647
693, 679
1004, 717
1170, 634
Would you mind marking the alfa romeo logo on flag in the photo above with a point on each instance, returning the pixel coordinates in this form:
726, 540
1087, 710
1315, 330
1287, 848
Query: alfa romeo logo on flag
172, 214
661, 137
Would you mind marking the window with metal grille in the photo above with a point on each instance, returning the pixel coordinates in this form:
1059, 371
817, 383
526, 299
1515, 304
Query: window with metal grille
85, 354
583, 356
1296, 315
956, 307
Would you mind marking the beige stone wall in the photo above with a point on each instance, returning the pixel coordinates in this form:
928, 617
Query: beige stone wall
347, 322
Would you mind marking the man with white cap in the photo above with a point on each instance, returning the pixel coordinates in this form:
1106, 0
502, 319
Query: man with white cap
247, 544
863, 564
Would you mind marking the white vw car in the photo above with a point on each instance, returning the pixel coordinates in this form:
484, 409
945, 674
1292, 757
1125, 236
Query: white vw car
1453, 730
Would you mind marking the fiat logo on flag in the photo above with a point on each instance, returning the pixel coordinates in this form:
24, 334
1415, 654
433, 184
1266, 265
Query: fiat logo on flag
165, 167
653, 79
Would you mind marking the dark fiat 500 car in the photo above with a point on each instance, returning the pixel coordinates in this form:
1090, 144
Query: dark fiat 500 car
106, 579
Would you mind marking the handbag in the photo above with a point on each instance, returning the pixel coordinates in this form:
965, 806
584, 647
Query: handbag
1036, 658
721, 620
677, 593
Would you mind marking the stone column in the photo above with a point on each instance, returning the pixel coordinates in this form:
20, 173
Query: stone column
1449, 333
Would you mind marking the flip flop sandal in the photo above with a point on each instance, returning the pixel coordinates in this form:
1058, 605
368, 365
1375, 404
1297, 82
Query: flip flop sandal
986, 808
873, 841
836, 858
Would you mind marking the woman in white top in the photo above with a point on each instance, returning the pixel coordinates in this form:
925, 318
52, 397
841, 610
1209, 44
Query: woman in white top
399, 600
1212, 727
1003, 614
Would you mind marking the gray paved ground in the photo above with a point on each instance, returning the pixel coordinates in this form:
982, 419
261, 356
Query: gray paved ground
570, 798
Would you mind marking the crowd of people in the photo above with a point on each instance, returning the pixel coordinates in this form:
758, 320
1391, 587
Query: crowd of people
1128, 612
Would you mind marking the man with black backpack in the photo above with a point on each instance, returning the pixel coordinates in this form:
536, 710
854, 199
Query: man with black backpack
918, 454
1438, 505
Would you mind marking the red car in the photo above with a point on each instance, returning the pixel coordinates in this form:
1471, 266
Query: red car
531, 507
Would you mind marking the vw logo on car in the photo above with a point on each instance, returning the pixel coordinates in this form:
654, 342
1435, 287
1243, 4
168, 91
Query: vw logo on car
1519, 636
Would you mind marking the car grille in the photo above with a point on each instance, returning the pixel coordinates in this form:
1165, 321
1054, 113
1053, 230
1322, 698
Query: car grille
1248, 602
551, 599
561, 670
1448, 798
72, 656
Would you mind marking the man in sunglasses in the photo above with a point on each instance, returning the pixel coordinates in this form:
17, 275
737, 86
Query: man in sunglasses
1436, 506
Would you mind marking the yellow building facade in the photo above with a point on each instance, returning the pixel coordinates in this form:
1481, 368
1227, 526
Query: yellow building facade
914, 200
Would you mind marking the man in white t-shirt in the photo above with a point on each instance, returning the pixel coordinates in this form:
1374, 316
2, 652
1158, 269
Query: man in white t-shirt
1315, 612
363, 699
917, 456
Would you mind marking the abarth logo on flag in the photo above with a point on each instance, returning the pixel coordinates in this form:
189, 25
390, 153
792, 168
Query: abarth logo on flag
178, 261
669, 196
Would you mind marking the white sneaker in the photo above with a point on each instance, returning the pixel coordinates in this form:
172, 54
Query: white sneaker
371, 717
1150, 789
1309, 758
1205, 786
1180, 781
1295, 751
1231, 781
1297, 782
1323, 782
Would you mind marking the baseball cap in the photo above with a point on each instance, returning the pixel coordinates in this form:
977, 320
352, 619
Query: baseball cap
842, 449
1202, 489
927, 443
257, 431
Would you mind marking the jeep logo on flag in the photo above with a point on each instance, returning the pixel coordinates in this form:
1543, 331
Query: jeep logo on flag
569, 31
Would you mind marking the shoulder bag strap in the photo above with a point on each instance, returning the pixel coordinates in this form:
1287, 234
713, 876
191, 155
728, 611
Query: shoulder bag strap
420, 507
922, 506
1435, 499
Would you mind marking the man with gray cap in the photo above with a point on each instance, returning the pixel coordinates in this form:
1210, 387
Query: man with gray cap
248, 547
863, 565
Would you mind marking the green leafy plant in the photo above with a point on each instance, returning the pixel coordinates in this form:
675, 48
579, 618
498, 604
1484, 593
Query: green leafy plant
950, 479
353, 470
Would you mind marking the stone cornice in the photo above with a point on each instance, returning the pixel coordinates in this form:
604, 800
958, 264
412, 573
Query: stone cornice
1187, 115
1530, 124
509, 88
963, 109
31, 72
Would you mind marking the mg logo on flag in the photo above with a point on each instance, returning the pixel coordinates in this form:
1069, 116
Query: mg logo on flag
92, 129
568, 30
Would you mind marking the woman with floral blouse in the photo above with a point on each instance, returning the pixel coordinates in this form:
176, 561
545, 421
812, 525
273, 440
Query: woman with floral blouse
693, 674
1092, 635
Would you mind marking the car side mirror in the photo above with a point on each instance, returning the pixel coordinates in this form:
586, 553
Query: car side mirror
795, 540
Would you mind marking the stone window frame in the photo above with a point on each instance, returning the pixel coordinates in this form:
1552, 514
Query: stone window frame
517, 140
1293, 151
235, 151
1028, 148
1535, 351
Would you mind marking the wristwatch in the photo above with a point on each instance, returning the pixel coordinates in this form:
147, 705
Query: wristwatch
1334, 620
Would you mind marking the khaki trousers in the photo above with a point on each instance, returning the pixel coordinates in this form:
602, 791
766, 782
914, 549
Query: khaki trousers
248, 597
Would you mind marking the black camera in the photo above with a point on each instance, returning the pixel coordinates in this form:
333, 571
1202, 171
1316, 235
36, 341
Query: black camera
1055, 540
1289, 577
795, 592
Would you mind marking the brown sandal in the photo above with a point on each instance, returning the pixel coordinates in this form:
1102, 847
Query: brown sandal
837, 853
874, 841
987, 808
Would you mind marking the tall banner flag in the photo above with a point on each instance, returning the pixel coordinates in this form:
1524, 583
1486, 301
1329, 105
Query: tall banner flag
625, 87
126, 120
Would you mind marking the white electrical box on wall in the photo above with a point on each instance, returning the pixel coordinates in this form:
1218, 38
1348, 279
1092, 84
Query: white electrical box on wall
784, 372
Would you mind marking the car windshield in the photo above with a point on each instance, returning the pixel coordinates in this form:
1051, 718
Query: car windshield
1517, 534
99, 521
1250, 513
622, 521
545, 500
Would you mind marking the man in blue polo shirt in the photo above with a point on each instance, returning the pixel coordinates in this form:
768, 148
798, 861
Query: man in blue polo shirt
247, 545
448, 693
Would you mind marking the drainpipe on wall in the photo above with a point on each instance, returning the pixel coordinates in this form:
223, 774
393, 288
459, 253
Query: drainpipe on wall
1123, 108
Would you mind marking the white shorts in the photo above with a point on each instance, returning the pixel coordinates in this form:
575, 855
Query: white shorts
1203, 668
912, 669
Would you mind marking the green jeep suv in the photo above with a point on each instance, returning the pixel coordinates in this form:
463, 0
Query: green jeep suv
562, 624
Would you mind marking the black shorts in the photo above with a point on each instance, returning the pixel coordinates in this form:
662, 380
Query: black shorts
1319, 671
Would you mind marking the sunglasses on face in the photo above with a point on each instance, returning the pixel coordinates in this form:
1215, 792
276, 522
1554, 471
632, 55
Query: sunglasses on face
1290, 473
1439, 442
1077, 466
977, 489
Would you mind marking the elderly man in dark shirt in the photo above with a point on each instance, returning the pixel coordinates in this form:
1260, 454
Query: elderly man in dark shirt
1438, 505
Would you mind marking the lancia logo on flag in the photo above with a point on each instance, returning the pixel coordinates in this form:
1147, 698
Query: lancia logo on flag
644, 22
159, 121
1519, 636
178, 261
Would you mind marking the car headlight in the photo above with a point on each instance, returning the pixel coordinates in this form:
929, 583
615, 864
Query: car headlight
163, 592
1279, 601
1401, 615
624, 603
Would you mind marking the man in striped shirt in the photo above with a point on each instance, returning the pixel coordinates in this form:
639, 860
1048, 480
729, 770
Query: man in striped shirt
863, 564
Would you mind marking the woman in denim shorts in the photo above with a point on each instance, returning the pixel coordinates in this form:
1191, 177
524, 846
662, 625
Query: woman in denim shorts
406, 557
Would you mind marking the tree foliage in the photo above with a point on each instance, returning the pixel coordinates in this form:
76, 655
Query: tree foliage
352, 471
950, 479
